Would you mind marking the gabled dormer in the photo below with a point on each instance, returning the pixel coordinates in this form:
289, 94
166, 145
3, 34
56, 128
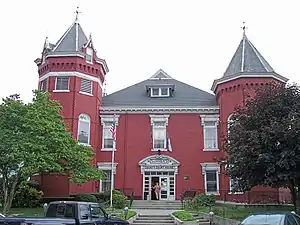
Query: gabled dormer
160, 85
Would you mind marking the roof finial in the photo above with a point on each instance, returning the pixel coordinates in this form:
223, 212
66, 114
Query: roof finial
77, 13
90, 37
244, 29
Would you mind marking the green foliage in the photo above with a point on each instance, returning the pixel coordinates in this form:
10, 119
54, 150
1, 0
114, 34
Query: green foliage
85, 198
27, 196
119, 200
99, 196
183, 215
34, 139
266, 133
201, 201
52, 199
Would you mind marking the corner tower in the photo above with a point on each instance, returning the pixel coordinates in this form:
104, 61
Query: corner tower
73, 74
247, 70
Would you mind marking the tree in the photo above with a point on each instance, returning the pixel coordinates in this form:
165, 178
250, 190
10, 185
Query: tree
263, 144
34, 139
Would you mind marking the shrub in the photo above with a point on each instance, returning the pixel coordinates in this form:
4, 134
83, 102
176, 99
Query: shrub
85, 198
27, 196
100, 196
205, 200
52, 199
183, 215
119, 200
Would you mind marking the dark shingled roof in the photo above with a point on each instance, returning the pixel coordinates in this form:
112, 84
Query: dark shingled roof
247, 59
136, 95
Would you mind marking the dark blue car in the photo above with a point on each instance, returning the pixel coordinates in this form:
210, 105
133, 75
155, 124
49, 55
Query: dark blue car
272, 218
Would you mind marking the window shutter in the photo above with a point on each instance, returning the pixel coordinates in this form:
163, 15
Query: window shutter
86, 86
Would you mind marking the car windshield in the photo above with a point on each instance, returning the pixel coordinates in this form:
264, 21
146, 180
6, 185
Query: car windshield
275, 219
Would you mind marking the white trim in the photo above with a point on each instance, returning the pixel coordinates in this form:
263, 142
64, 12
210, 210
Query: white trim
106, 166
245, 75
162, 163
211, 167
160, 71
230, 189
84, 93
51, 55
71, 74
161, 119
210, 118
105, 119
85, 120
91, 55
157, 109
65, 90
160, 92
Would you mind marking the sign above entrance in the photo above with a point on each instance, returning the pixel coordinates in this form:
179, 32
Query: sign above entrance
159, 163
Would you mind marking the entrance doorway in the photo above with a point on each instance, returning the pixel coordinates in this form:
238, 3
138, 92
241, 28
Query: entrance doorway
166, 181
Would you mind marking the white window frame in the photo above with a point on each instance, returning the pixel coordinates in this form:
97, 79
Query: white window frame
160, 92
230, 185
159, 119
83, 92
44, 82
58, 90
209, 119
84, 118
106, 166
211, 167
105, 119
89, 52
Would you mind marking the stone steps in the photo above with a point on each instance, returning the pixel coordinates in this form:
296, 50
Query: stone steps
146, 204
153, 220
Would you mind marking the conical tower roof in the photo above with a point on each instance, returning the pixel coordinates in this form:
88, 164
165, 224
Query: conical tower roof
247, 62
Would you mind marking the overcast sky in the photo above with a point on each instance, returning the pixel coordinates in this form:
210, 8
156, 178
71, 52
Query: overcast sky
191, 40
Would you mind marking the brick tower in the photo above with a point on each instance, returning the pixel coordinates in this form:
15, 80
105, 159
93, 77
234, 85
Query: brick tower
246, 71
73, 74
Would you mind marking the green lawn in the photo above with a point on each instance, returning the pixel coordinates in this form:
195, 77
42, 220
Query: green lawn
39, 212
231, 212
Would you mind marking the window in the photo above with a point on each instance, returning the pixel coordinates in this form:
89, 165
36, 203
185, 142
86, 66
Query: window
160, 92
84, 212
61, 210
89, 55
159, 136
97, 212
62, 83
211, 177
229, 124
210, 132
108, 143
159, 132
86, 86
232, 183
106, 182
44, 84
84, 124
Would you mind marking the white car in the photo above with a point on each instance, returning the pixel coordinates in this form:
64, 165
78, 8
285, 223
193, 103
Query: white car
1, 215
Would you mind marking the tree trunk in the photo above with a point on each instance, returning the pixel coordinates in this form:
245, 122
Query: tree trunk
9, 193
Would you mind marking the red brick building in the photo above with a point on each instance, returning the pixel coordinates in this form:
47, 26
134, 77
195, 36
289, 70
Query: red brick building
167, 131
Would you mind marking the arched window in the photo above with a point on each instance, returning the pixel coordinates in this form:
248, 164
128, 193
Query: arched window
84, 129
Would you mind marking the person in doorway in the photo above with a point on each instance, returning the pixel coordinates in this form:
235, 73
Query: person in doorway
156, 190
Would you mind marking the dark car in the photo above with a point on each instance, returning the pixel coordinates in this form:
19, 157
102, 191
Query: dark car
68, 213
272, 218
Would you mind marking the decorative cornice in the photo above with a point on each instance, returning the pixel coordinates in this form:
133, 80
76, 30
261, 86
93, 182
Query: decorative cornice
248, 75
209, 118
159, 118
109, 118
210, 166
160, 110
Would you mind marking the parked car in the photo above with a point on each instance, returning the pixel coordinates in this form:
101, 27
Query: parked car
68, 212
1, 215
272, 218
